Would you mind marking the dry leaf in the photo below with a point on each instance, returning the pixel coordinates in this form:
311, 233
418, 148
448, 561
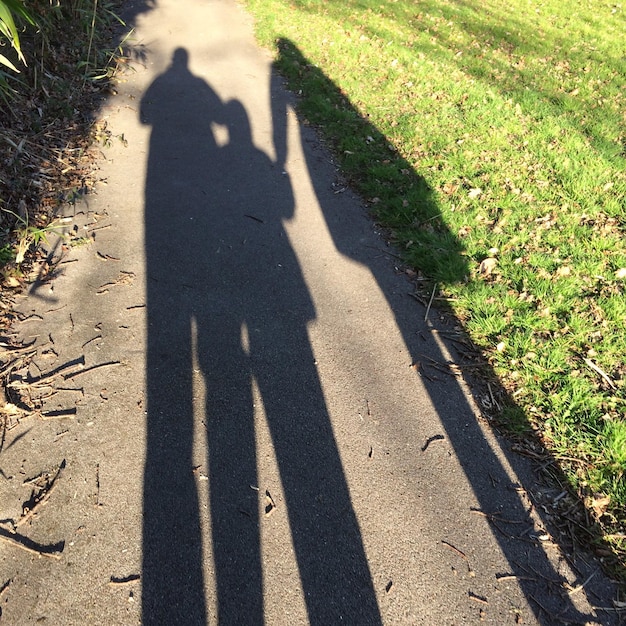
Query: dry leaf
564, 270
11, 281
474, 193
10, 409
488, 265
621, 273
600, 504
450, 188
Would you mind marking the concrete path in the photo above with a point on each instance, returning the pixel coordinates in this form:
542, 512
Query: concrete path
235, 434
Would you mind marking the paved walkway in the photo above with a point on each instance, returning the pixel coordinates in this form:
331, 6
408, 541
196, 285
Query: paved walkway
236, 434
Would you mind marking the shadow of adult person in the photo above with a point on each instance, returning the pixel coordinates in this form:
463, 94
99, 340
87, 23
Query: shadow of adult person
225, 287
493, 486
178, 106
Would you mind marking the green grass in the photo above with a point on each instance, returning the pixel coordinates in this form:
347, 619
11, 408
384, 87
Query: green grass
494, 130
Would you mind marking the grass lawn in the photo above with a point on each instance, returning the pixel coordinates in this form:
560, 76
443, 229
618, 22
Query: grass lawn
499, 164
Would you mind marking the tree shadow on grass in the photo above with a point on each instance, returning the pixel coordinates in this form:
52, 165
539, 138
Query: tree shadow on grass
325, 106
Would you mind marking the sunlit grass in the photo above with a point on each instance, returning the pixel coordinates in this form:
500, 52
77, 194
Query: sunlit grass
501, 134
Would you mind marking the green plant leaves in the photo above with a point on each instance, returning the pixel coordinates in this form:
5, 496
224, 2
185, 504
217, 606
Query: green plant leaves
9, 31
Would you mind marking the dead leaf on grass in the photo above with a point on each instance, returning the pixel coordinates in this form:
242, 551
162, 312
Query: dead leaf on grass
599, 504
12, 282
487, 266
450, 189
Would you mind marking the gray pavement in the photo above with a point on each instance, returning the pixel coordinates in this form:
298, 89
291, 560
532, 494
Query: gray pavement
242, 438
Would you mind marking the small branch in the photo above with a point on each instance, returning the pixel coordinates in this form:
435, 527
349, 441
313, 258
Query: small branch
494, 402
89, 369
96, 228
444, 368
26, 544
5, 586
59, 414
430, 302
459, 552
602, 373
492, 516
97, 484
580, 587
40, 500
609, 609
79, 361
90, 340
106, 257
477, 598
504, 577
